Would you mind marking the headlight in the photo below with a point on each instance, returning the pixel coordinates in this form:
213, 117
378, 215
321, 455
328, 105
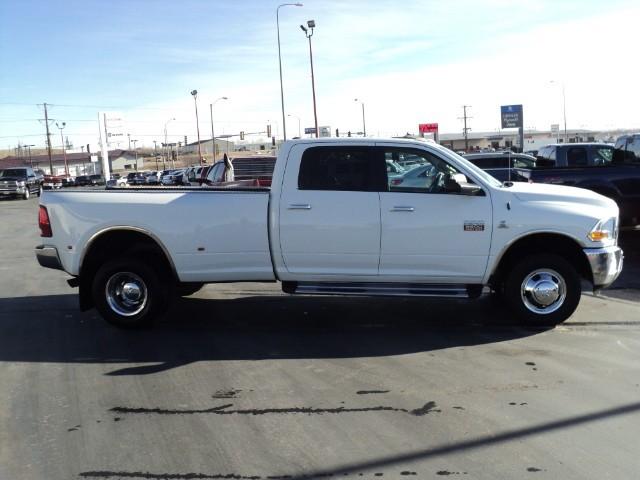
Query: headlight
20, 183
605, 231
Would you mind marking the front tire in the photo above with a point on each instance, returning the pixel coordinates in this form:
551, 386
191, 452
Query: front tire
129, 293
543, 289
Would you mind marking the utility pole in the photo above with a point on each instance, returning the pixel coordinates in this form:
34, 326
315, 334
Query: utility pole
46, 122
466, 129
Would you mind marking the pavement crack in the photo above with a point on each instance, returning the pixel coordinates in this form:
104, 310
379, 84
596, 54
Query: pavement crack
224, 410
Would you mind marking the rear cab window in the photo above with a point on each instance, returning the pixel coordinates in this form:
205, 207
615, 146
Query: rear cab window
577, 157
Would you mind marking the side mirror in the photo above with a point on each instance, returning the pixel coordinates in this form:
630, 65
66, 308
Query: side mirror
458, 183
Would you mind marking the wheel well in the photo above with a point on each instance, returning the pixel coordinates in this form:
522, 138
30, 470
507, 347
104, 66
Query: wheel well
117, 243
552, 243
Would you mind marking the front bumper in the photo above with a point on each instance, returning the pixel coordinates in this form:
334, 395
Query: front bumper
48, 257
606, 265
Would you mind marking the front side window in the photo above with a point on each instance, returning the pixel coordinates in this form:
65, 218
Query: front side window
523, 162
342, 169
429, 173
602, 156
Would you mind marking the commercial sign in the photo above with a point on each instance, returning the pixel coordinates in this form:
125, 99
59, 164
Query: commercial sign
428, 127
325, 132
555, 128
511, 116
94, 158
309, 130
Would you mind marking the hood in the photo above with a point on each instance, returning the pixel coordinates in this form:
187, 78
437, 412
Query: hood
544, 192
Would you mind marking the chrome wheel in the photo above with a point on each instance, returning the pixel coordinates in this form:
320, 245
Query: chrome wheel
543, 291
126, 293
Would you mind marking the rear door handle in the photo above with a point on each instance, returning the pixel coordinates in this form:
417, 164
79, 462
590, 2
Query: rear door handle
402, 208
299, 206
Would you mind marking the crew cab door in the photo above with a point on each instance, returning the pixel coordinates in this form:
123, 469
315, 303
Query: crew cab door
429, 235
329, 212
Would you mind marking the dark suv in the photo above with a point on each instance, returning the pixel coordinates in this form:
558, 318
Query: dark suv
612, 172
19, 182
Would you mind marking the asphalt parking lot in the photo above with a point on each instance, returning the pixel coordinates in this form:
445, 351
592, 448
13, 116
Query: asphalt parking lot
243, 382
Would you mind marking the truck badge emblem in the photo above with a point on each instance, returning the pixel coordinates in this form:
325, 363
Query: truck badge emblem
473, 226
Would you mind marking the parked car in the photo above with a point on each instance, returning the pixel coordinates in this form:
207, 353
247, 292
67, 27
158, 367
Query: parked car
136, 179
172, 177
501, 164
52, 182
19, 182
96, 179
599, 167
394, 170
117, 181
83, 180
332, 225
419, 176
67, 180
627, 150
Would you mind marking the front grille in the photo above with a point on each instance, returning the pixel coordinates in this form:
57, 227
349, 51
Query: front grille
8, 184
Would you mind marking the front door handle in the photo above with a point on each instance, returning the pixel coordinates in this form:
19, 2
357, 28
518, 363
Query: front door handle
299, 206
402, 208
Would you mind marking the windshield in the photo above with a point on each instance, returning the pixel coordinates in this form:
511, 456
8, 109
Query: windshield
468, 165
13, 172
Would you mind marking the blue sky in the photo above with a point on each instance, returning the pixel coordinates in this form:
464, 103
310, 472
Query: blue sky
414, 61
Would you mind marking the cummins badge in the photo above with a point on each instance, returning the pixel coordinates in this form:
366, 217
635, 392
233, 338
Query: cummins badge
473, 226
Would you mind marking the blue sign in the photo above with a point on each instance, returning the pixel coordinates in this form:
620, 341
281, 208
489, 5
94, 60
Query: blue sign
309, 130
511, 116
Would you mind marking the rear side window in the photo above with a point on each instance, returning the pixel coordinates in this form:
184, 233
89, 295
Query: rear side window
633, 150
356, 169
577, 156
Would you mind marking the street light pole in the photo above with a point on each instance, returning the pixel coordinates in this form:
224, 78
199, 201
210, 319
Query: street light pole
311, 24
564, 113
195, 101
166, 149
284, 126
135, 149
213, 135
364, 125
64, 152
564, 108
289, 115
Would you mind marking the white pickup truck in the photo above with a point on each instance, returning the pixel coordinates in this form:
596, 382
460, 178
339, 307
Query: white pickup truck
334, 222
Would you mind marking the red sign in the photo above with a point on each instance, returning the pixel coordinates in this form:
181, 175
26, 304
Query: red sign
427, 127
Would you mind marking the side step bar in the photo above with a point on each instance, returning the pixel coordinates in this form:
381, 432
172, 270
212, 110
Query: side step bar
383, 289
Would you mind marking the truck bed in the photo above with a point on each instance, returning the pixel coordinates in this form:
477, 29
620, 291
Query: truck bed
216, 234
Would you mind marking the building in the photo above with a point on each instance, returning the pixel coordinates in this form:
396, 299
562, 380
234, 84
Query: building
533, 139
77, 163
222, 146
